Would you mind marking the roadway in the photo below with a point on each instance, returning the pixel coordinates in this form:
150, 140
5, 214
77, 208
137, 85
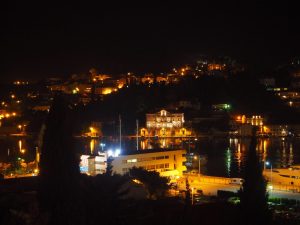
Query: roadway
211, 185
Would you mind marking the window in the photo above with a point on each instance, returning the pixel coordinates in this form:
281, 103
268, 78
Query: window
284, 175
151, 167
167, 165
159, 157
160, 166
166, 157
131, 160
145, 159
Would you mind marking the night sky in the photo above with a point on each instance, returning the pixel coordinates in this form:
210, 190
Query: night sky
59, 40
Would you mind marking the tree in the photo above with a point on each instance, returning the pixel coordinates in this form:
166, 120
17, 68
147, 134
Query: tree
253, 193
155, 185
59, 166
109, 167
104, 195
187, 193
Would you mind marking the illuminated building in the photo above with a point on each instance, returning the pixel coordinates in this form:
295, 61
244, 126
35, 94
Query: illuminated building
41, 108
162, 78
121, 82
164, 129
167, 162
221, 107
279, 130
95, 130
292, 98
71, 88
93, 165
216, 66
244, 125
174, 78
101, 77
148, 79
20, 82
164, 119
256, 120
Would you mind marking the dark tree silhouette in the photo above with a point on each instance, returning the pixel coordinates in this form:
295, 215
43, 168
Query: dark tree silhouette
59, 167
155, 185
109, 168
187, 193
104, 198
253, 192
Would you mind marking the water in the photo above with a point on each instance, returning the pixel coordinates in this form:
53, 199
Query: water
225, 156
13, 147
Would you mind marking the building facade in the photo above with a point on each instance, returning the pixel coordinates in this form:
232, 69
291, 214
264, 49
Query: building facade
169, 163
93, 165
165, 124
164, 130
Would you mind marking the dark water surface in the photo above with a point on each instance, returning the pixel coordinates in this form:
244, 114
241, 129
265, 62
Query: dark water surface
224, 156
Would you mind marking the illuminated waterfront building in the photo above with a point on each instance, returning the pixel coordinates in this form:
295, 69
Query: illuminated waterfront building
165, 124
169, 163
93, 165
164, 130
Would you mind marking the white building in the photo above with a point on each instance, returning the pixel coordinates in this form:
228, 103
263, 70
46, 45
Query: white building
93, 165
169, 163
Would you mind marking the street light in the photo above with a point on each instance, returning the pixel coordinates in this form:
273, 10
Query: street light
195, 157
270, 164
102, 145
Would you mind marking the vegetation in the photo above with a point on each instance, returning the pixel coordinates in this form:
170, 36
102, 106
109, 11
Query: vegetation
59, 193
103, 198
155, 185
253, 194
187, 193
109, 168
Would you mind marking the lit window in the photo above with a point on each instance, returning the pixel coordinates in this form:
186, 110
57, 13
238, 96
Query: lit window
131, 160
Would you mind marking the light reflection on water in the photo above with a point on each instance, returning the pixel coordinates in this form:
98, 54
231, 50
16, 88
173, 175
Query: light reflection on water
14, 147
225, 156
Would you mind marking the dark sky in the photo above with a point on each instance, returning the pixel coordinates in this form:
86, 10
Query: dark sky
59, 40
